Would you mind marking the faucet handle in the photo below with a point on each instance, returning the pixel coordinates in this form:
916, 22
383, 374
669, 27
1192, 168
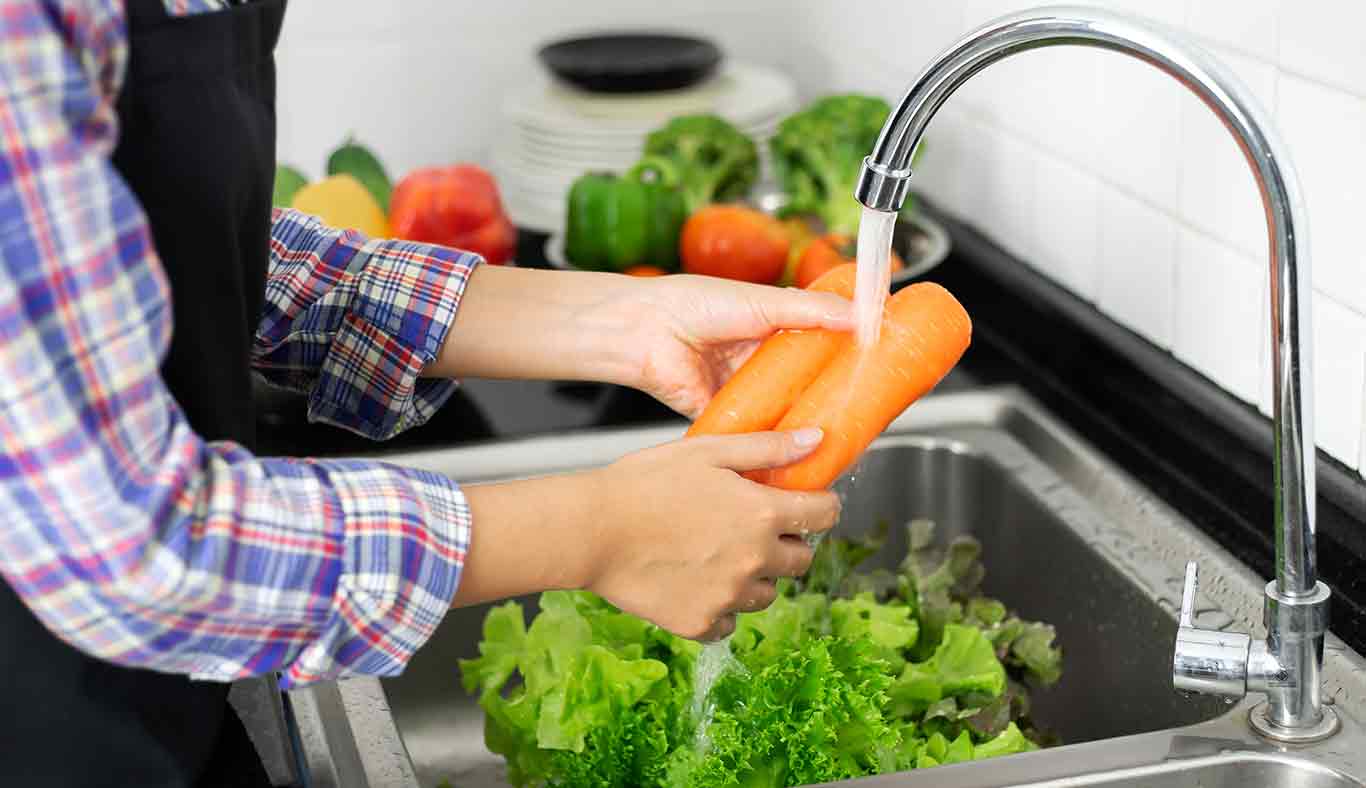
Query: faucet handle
1207, 661
1188, 590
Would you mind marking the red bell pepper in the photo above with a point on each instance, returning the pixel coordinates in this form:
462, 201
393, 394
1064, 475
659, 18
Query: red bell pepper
455, 206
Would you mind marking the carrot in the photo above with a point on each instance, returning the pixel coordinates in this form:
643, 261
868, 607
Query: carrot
924, 333
760, 392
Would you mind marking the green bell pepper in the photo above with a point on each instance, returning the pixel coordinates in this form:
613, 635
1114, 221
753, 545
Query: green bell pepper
615, 222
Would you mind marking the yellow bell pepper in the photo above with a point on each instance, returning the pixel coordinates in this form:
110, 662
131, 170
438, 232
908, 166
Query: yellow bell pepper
341, 201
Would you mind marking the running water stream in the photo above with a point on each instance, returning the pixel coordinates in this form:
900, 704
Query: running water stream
874, 274
715, 661
873, 282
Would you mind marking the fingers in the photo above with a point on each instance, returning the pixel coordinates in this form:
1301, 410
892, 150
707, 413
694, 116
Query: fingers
757, 595
759, 450
724, 626
791, 308
791, 558
802, 514
796, 517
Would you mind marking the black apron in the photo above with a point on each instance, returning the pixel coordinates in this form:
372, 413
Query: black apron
197, 147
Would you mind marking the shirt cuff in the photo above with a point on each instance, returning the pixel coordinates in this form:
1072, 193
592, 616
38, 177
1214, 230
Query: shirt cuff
398, 576
405, 304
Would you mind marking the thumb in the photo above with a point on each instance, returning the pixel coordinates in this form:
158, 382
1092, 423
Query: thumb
759, 450
793, 308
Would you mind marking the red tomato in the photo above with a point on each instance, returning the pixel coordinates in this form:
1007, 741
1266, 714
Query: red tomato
734, 242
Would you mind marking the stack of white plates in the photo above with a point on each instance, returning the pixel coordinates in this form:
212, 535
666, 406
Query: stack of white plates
551, 133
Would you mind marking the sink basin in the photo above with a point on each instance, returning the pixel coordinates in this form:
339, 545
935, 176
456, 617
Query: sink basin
1067, 539
1168, 765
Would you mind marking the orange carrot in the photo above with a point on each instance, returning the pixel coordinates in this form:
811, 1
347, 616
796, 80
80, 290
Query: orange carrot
924, 333
760, 392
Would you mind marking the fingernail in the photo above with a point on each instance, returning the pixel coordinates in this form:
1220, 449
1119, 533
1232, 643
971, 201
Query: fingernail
807, 437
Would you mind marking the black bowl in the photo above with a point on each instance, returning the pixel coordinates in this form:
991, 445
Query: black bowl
631, 62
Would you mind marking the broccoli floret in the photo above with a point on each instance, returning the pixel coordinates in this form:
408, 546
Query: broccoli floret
708, 158
818, 151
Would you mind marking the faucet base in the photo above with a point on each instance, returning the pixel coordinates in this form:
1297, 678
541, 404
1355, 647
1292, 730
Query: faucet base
1264, 727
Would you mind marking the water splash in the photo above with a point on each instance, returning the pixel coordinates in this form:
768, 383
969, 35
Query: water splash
715, 661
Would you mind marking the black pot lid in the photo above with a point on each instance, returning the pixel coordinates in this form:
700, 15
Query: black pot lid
631, 62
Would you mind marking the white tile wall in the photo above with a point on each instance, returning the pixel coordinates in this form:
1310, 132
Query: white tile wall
1326, 130
1322, 39
1067, 224
1218, 192
1097, 170
1245, 25
1339, 355
1137, 266
1142, 203
1139, 144
1219, 305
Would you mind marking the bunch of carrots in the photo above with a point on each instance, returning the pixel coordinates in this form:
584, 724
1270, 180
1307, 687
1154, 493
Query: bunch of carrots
819, 378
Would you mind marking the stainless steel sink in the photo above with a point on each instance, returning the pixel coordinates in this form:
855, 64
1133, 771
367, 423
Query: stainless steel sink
1067, 539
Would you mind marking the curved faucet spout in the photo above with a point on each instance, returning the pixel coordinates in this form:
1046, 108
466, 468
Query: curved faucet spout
884, 182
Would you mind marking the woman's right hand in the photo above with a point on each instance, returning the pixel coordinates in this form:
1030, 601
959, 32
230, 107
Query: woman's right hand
673, 534
686, 542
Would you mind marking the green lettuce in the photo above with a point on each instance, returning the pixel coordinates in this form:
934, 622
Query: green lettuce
811, 715
964, 663
889, 627
847, 674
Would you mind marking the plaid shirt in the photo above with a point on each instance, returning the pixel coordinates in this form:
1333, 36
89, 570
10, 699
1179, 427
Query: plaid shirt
127, 534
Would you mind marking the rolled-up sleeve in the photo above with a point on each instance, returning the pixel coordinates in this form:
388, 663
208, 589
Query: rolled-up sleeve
353, 321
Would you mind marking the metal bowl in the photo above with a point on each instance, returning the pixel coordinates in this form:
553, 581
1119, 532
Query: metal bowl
920, 241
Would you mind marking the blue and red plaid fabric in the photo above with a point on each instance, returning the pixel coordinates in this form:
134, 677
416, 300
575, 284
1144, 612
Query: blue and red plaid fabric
187, 7
128, 535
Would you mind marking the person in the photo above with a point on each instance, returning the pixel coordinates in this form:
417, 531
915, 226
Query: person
150, 558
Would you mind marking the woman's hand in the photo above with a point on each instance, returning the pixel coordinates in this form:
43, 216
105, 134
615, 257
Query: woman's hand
694, 542
677, 338
673, 534
696, 331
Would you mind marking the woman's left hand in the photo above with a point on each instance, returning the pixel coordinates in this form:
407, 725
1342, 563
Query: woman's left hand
698, 330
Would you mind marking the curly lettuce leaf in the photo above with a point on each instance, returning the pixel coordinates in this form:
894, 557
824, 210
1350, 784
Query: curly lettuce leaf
837, 558
761, 637
964, 662
812, 715
943, 750
602, 686
591, 688
937, 582
889, 626
1011, 741
630, 750
502, 645
1034, 650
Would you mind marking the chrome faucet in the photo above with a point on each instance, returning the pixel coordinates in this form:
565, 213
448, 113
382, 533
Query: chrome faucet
1286, 667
